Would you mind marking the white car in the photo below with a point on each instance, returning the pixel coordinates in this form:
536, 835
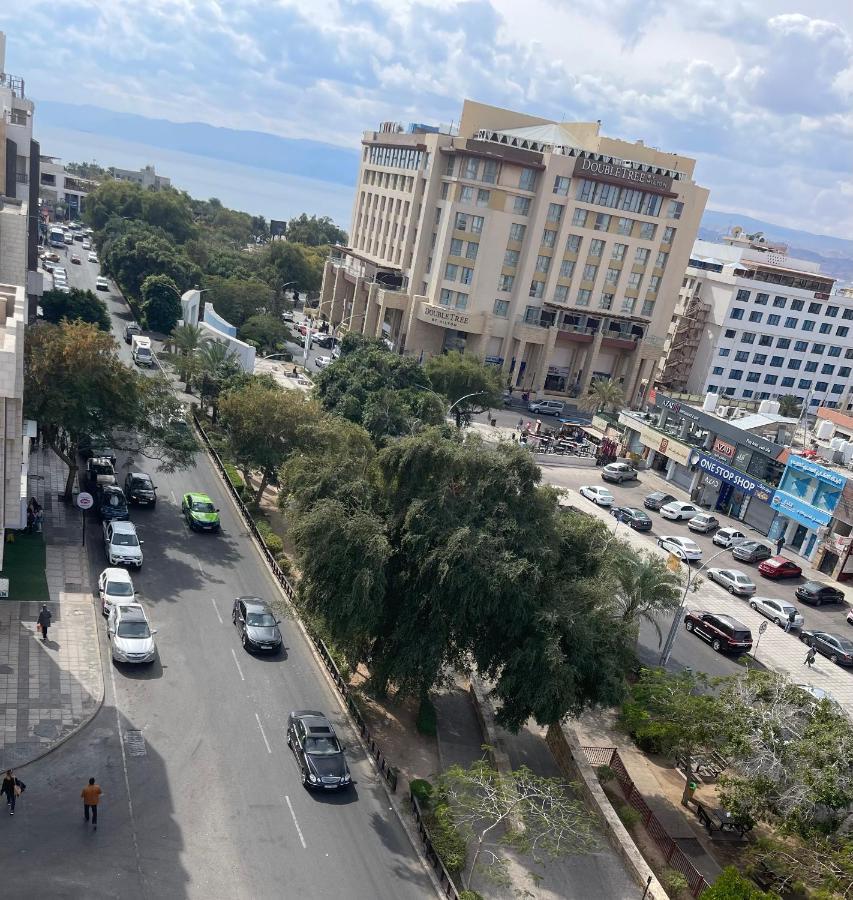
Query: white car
681, 547
131, 637
733, 580
122, 544
728, 537
114, 586
322, 361
778, 611
677, 511
87, 244
598, 495
101, 284
92, 257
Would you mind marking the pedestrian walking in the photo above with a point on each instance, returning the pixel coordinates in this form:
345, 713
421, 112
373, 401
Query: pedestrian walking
43, 621
789, 624
809, 660
521, 424
780, 543
11, 789
91, 795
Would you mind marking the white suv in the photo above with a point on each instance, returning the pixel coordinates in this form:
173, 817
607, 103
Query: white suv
131, 637
546, 407
122, 544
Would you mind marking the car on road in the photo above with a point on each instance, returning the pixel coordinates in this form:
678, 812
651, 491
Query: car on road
101, 284
751, 551
139, 488
114, 586
130, 330
326, 341
199, 511
835, 647
599, 495
682, 547
87, 244
778, 611
546, 407
779, 567
93, 257
287, 316
704, 523
657, 499
100, 471
733, 580
618, 472
630, 515
111, 503
322, 361
318, 751
122, 544
75, 260
724, 633
257, 625
728, 537
677, 511
51, 257
815, 593
130, 634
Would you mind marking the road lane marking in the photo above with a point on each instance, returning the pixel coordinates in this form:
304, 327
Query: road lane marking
216, 611
296, 823
198, 566
174, 498
239, 670
266, 742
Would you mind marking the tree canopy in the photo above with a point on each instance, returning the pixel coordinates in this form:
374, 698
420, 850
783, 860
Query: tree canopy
459, 375
315, 231
266, 332
161, 302
238, 299
76, 304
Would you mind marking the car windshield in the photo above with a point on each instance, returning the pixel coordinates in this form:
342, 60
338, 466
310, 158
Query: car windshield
115, 498
119, 589
260, 620
125, 540
142, 483
133, 630
102, 469
322, 746
203, 506
742, 578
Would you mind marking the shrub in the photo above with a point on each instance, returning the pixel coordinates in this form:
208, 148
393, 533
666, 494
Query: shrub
674, 882
274, 543
470, 895
629, 816
426, 721
447, 842
283, 562
605, 773
731, 885
234, 476
422, 791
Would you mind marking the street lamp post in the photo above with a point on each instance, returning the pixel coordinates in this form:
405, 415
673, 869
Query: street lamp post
673, 629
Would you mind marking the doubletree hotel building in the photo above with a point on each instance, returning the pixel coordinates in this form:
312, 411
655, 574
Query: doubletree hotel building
542, 247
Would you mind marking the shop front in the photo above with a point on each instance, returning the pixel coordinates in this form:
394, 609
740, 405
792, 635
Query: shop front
727, 490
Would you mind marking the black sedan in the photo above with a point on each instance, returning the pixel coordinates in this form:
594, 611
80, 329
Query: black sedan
139, 488
751, 551
836, 648
257, 625
658, 499
630, 515
318, 752
816, 593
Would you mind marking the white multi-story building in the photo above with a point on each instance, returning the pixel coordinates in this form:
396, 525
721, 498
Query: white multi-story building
145, 177
62, 194
542, 247
753, 323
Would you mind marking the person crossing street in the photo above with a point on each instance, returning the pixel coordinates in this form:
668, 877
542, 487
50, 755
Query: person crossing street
91, 795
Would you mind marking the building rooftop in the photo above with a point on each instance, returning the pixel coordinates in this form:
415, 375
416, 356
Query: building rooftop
757, 421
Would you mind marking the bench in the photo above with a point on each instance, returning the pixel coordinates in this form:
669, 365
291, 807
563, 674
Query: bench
717, 820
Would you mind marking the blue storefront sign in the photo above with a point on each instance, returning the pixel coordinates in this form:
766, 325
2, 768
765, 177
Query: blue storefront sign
801, 512
739, 480
819, 473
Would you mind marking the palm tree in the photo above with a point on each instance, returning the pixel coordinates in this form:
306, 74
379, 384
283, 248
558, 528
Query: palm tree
603, 394
184, 343
644, 588
789, 406
217, 363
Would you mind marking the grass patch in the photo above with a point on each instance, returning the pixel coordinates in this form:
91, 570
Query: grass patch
234, 476
24, 565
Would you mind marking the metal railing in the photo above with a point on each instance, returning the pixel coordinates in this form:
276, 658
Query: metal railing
672, 853
389, 773
14, 82
447, 885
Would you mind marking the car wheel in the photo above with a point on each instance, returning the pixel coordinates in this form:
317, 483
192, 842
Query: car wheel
245, 642
304, 778
731, 589
777, 623
804, 639
818, 602
834, 659
753, 605
688, 625
716, 645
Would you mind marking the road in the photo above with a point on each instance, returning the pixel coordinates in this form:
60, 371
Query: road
201, 795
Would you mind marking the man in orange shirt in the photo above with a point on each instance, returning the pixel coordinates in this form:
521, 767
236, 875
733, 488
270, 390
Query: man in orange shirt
91, 794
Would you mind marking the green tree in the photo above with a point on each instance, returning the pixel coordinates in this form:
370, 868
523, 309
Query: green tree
76, 304
238, 299
731, 885
161, 302
184, 342
170, 211
603, 395
302, 265
457, 375
135, 255
790, 406
644, 587
218, 366
314, 232
267, 333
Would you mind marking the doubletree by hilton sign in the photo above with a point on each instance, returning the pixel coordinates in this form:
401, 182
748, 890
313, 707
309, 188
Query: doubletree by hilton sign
615, 174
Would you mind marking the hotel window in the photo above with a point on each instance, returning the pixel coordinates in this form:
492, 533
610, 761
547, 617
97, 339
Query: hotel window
717, 370
847, 314
456, 247
821, 385
753, 377
451, 163
583, 297
811, 366
634, 279
799, 346
466, 275
735, 374
444, 187
446, 297
477, 224
608, 195
527, 181
761, 299
818, 349
642, 255
748, 337
549, 237
461, 301
461, 222
647, 231
842, 331
779, 302
561, 293
794, 364
776, 362
814, 307
618, 251
834, 351
585, 191
730, 333
471, 250
501, 308
653, 205
791, 322
771, 379
844, 371
561, 185
787, 381
589, 272
624, 226
631, 200
466, 194
755, 316
451, 271
490, 171
606, 301
660, 262
825, 328
612, 277
654, 284
579, 217
483, 197
555, 212
668, 235
797, 305
837, 389
628, 305
472, 165
596, 247
736, 313
808, 324
567, 268
741, 356
674, 210
543, 263
805, 384
511, 258
725, 351
521, 205
827, 369
759, 359
773, 319
573, 243
516, 232
742, 296
537, 289
648, 308
505, 282
602, 222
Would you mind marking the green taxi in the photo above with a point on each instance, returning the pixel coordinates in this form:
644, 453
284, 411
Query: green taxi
200, 513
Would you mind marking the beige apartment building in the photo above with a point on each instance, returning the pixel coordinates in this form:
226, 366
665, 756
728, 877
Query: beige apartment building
542, 247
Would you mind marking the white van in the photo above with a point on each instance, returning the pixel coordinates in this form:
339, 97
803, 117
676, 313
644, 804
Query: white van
140, 350
546, 407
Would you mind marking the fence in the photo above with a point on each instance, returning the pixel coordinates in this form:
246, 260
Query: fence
444, 879
388, 771
672, 853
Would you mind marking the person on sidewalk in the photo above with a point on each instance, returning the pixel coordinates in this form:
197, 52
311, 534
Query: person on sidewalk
91, 794
789, 624
11, 788
43, 621
809, 660
780, 543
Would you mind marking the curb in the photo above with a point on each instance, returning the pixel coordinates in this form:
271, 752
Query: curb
413, 840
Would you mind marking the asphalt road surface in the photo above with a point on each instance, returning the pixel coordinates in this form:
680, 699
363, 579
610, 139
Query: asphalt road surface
202, 797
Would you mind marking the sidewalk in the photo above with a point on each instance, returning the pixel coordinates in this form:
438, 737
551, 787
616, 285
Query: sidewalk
50, 690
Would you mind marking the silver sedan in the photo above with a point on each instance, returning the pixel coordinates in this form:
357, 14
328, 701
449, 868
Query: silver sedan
733, 580
778, 611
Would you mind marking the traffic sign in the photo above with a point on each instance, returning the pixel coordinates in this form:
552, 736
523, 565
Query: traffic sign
762, 628
84, 500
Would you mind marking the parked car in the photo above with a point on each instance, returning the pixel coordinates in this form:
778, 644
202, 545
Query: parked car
122, 544
677, 510
682, 547
101, 284
778, 611
130, 635
257, 625
813, 592
114, 586
93, 257
322, 361
836, 648
287, 316
200, 513
546, 407
657, 499
599, 495
751, 551
111, 503
318, 752
630, 515
723, 633
87, 244
139, 488
704, 523
779, 567
130, 330
733, 580
326, 341
75, 260
99, 472
728, 537
618, 472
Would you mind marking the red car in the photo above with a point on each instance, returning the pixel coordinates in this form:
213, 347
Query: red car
779, 567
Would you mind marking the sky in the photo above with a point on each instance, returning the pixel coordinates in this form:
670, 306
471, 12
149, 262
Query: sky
760, 92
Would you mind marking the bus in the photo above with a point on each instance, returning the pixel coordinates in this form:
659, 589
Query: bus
56, 237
